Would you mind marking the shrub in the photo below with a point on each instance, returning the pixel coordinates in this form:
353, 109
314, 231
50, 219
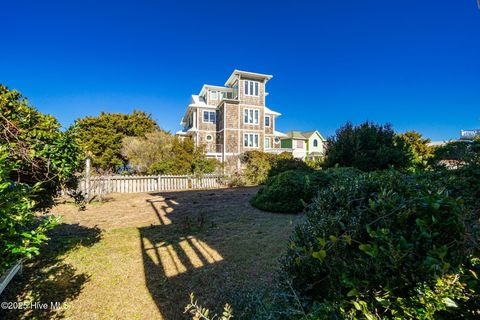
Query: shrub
387, 245
367, 147
183, 157
287, 191
38, 148
20, 233
282, 164
457, 153
290, 191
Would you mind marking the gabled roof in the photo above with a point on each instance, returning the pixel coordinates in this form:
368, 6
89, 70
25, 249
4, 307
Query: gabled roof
308, 134
295, 135
303, 135
247, 74
197, 101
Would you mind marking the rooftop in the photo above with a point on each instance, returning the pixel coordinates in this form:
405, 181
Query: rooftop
248, 74
303, 135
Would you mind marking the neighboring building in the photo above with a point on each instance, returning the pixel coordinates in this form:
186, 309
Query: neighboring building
233, 118
305, 145
469, 134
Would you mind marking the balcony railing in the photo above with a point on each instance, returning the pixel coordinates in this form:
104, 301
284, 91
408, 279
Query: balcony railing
213, 148
231, 94
469, 134
278, 150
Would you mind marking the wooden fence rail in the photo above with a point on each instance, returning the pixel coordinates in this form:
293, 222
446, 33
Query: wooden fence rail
129, 184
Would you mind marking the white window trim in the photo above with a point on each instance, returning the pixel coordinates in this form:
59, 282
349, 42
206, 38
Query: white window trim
269, 143
255, 110
209, 112
252, 134
216, 95
209, 137
256, 87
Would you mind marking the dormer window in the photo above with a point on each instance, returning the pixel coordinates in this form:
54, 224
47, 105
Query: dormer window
315, 143
213, 95
251, 88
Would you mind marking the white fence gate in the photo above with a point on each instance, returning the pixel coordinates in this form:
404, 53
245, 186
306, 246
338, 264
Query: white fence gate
129, 184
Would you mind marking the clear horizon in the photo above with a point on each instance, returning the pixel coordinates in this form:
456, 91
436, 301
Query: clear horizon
414, 65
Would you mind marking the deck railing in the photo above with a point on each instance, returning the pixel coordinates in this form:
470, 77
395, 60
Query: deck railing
469, 134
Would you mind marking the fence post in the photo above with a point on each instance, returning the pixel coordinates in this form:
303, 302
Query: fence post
88, 165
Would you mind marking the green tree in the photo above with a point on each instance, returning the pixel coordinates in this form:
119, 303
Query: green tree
417, 150
21, 234
41, 152
367, 147
37, 159
143, 152
101, 137
458, 152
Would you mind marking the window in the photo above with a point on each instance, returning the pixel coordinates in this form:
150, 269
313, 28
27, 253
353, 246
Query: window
277, 139
267, 121
209, 137
227, 95
213, 95
209, 116
250, 116
300, 144
250, 140
315, 142
267, 143
251, 88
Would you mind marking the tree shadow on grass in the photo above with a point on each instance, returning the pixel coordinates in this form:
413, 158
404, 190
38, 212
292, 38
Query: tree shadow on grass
189, 249
48, 278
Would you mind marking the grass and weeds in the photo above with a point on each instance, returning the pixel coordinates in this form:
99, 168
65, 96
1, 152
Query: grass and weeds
139, 256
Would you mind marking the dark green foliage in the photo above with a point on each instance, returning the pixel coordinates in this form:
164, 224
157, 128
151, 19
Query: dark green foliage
390, 245
261, 165
101, 137
38, 150
367, 147
289, 191
282, 164
458, 153
37, 159
20, 234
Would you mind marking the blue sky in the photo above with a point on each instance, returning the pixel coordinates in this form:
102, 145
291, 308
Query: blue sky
415, 64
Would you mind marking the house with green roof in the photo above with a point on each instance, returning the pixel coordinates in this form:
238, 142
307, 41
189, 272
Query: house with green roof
305, 145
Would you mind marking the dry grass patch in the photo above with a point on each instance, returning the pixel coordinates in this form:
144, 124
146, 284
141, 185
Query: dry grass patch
138, 256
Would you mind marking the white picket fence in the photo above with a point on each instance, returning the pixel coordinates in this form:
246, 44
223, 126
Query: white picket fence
98, 185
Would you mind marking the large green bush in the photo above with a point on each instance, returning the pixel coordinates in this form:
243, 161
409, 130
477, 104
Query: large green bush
37, 147
37, 159
20, 233
388, 245
367, 147
289, 191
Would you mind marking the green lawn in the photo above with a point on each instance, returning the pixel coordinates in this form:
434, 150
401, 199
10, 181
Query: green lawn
138, 256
